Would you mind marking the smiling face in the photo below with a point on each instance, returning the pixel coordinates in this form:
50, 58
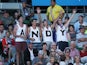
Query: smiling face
52, 59
34, 22
71, 28
77, 59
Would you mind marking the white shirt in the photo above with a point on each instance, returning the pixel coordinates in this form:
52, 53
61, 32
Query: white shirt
77, 25
2, 35
20, 31
62, 63
47, 34
31, 54
35, 33
79, 36
48, 63
61, 34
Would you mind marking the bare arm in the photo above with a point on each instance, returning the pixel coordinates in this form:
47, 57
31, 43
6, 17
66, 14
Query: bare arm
29, 33
67, 23
15, 30
55, 21
81, 40
26, 33
40, 32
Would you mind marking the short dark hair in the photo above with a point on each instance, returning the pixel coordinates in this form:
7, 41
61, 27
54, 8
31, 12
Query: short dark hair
67, 17
19, 16
53, 0
81, 16
70, 64
44, 43
71, 26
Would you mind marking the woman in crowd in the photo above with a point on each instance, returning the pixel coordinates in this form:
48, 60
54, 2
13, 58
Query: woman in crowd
72, 33
20, 32
52, 59
8, 47
77, 61
67, 55
45, 51
61, 32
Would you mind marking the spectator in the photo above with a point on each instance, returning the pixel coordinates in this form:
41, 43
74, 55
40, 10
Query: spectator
53, 11
81, 37
47, 34
45, 51
20, 32
40, 60
39, 15
2, 31
72, 33
62, 60
67, 55
2, 35
83, 54
55, 63
70, 64
7, 19
52, 60
10, 29
16, 14
85, 63
27, 10
12, 63
1, 61
79, 23
35, 34
61, 32
30, 54
56, 49
8, 48
55, 52
77, 61
73, 50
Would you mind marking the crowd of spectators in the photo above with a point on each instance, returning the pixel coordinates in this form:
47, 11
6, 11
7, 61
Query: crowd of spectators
29, 41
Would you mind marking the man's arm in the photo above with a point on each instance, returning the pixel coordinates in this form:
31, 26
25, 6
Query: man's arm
67, 23
81, 40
